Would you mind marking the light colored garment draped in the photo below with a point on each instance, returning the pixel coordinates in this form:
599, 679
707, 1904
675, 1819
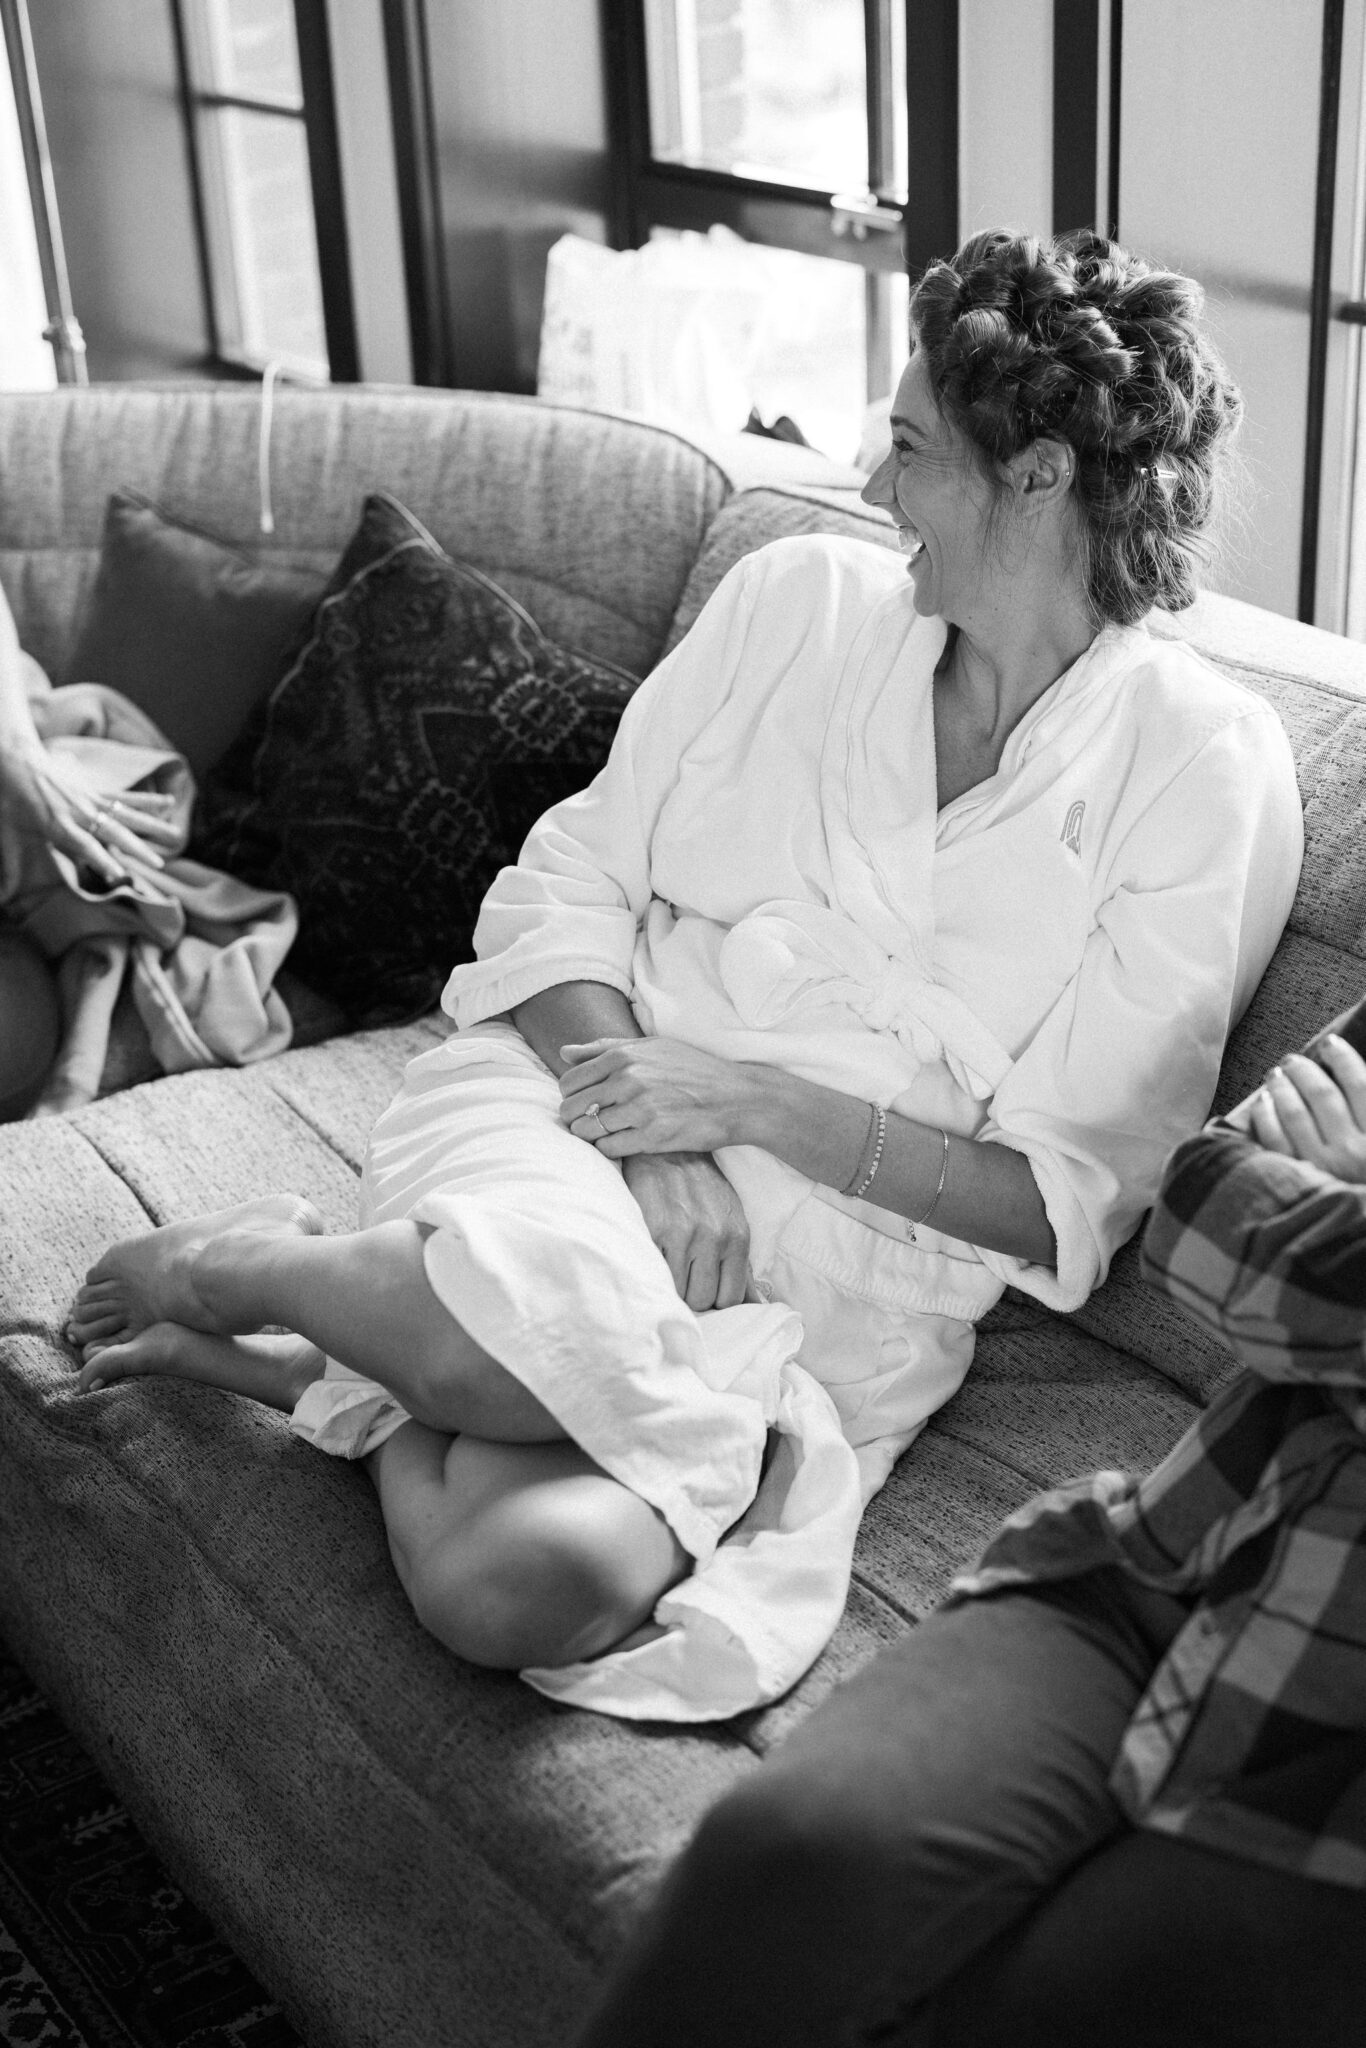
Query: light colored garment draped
199, 949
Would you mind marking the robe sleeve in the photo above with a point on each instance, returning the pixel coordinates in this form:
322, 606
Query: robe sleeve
1125, 1064
571, 907
1269, 1253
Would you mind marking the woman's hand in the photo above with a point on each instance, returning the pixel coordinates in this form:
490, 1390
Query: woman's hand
43, 798
631, 1095
694, 1216
1320, 1117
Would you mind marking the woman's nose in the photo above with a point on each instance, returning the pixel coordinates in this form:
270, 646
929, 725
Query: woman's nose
878, 489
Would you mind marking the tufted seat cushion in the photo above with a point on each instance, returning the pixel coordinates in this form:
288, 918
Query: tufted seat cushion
238, 1655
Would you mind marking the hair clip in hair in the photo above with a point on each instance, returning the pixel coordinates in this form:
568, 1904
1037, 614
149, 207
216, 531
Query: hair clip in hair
1151, 470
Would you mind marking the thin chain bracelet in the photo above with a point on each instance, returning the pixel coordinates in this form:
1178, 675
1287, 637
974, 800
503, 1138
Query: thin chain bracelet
914, 1222
877, 1134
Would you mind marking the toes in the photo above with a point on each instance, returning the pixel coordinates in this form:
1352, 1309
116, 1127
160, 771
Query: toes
99, 1369
95, 1296
110, 1361
103, 1272
296, 1212
84, 1329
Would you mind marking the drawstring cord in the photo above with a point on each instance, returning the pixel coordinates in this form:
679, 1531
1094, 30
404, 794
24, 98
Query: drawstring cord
272, 371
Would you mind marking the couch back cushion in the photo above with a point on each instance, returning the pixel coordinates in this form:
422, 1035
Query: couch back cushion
754, 517
590, 521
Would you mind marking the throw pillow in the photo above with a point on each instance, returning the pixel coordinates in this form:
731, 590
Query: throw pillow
193, 629
425, 725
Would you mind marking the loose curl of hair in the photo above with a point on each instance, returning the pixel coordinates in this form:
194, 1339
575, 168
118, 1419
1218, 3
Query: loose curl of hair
1077, 340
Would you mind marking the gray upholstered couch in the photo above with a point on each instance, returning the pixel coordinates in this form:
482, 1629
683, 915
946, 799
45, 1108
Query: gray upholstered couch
403, 1848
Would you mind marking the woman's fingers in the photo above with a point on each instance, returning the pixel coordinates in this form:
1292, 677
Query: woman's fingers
1321, 1095
704, 1278
111, 828
588, 1076
1266, 1124
1348, 1069
153, 802
734, 1279
87, 851
1299, 1106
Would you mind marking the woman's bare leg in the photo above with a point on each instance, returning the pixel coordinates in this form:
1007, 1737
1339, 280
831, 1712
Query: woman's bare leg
511, 1554
514, 1547
363, 1299
144, 1280
518, 1554
271, 1369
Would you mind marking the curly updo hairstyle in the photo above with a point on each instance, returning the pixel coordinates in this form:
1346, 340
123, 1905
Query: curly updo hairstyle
1078, 340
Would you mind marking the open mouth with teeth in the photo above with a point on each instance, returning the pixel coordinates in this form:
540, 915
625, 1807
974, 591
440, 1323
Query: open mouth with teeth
909, 542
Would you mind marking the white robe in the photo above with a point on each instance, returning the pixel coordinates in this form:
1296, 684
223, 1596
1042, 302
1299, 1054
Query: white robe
1053, 962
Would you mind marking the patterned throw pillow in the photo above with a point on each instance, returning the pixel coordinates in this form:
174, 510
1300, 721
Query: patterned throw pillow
401, 761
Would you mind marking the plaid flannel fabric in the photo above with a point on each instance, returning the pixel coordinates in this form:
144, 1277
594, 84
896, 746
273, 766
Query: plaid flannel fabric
1251, 1737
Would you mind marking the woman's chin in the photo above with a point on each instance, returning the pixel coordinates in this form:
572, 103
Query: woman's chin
918, 571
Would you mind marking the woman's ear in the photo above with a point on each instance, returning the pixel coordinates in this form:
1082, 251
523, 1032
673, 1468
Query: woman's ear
1040, 474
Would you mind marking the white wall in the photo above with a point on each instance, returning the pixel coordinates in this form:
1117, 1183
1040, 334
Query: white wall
1005, 115
1218, 149
26, 361
1218, 152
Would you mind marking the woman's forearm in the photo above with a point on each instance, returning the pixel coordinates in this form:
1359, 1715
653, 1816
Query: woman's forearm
989, 1196
661, 1095
17, 730
570, 1014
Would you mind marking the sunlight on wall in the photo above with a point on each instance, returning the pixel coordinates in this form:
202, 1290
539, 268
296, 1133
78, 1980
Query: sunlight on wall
26, 362
1219, 182
1005, 115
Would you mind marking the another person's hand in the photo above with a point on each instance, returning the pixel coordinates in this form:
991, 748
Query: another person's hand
632, 1095
43, 798
694, 1216
1319, 1116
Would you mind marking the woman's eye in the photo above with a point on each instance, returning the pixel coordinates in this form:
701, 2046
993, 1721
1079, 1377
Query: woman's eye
901, 453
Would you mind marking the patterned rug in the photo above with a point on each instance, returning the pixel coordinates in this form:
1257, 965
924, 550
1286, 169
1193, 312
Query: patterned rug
98, 1948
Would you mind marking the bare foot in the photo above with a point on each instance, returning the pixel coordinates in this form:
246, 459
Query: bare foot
273, 1369
150, 1279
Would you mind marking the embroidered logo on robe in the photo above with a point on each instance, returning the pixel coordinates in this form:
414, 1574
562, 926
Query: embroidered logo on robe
1071, 825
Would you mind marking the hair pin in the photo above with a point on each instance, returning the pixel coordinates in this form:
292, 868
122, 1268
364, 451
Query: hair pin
1148, 470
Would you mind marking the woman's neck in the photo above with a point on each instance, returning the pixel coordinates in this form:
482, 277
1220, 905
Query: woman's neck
996, 668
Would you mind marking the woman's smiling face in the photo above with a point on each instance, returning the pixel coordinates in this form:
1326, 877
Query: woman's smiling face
932, 484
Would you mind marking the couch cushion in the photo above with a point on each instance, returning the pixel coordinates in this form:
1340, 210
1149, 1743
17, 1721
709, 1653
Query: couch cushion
192, 629
463, 1845
1044, 1402
235, 1647
754, 517
400, 761
592, 522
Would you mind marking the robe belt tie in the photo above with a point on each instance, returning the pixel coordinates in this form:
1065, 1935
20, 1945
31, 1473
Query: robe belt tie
786, 957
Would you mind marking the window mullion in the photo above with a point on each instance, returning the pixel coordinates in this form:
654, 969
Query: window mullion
882, 84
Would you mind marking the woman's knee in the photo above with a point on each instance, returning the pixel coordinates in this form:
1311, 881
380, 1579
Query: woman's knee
531, 1581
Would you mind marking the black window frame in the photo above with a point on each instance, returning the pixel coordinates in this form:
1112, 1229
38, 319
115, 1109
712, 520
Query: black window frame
318, 115
647, 192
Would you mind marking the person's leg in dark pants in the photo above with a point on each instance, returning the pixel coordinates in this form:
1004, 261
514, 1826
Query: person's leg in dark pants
923, 1808
1156, 1943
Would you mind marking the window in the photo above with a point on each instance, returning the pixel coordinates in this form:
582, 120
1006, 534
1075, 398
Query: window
258, 92
787, 121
